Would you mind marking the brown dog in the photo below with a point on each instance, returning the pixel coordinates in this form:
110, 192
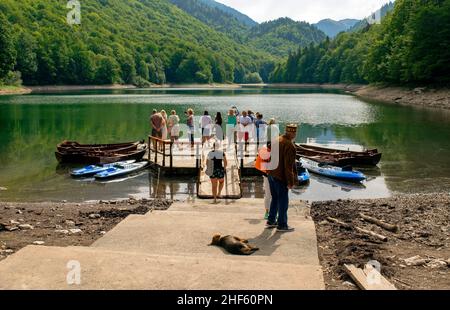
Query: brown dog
234, 245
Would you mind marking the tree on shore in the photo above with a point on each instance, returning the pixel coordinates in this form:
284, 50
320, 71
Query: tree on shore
7, 49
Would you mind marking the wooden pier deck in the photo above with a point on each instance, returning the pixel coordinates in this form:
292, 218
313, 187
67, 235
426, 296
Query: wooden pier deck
172, 159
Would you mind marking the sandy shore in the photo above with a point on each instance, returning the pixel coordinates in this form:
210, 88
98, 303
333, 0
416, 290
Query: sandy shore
420, 96
417, 256
13, 90
64, 224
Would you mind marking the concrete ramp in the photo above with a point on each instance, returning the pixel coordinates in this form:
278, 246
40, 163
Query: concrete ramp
168, 250
36, 267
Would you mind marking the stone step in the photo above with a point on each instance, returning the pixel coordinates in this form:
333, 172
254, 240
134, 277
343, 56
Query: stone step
38, 267
189, 233
248, 206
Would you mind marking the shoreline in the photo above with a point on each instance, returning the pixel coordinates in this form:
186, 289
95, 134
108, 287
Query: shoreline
427, 97
14, 90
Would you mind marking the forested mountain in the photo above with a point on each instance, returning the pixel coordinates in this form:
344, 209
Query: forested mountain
233, 12
332, 27
278, 37
216, 17
284, 35
411, 45
118, 41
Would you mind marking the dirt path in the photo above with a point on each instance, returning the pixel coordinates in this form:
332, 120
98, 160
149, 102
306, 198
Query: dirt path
423, 237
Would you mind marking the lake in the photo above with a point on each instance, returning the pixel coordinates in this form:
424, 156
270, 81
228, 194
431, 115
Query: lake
415, 142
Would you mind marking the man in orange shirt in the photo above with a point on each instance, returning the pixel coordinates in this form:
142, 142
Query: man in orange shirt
282, 179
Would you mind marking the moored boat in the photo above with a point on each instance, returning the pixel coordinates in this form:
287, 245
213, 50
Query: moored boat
346, 174
73, 146
121, 170
338, 157
102, 157
94, 169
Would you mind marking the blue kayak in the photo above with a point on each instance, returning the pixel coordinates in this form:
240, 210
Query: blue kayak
346, 174
94, 169
120, 170
303, 176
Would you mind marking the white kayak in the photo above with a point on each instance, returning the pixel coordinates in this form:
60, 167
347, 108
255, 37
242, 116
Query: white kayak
94, 169
120, 170
333, 172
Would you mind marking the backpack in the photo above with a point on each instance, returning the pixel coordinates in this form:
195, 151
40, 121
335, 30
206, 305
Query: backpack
209, 167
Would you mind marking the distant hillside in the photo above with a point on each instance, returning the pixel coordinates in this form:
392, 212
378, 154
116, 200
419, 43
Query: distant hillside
235, 13
215, 15
284, 35
133, 41
332, 27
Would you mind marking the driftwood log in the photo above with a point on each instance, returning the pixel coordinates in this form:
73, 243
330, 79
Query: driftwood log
387, 226
360, 230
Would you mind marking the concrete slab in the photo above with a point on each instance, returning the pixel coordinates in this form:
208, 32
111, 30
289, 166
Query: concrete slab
189, 233
256, 207
37, 267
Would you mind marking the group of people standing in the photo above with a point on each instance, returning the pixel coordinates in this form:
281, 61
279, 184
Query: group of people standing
241, 128
164, 127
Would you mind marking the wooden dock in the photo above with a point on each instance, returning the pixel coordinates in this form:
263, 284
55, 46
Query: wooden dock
172, 159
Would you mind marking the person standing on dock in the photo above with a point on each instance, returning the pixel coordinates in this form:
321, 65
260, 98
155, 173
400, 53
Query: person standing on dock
216, 166
156, 121
206, 123
218, 127
174, 126
231, 127
282, 179
190, 124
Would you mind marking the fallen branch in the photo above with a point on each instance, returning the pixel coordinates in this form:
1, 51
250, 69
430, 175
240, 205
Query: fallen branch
340, 223
387, 226
363, 231
371, 233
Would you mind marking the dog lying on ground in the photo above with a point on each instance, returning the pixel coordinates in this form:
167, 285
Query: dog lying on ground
234, 245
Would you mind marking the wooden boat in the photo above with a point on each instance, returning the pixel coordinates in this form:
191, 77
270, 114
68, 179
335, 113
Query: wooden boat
73, 146
339, 157
102, 157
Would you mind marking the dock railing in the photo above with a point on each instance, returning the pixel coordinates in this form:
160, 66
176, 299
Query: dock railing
165, 148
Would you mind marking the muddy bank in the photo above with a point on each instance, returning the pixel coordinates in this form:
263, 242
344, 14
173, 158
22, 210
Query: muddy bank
421, 96
64, 224
414, 257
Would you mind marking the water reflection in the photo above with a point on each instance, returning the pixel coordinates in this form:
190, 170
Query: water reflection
415, 142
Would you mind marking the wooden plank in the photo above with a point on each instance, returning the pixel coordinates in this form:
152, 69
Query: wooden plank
368, 278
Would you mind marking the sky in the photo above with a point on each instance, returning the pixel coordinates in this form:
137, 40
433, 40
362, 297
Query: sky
311, 11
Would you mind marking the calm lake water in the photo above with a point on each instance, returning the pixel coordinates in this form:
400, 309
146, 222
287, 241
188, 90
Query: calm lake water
415, 142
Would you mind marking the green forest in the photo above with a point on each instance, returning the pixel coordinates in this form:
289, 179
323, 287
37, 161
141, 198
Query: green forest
133, 42
410, 46
142, 42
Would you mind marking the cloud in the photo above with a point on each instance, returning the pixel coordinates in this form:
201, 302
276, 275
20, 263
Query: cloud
305, 10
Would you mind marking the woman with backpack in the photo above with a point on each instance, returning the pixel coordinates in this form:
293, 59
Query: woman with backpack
216, 165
